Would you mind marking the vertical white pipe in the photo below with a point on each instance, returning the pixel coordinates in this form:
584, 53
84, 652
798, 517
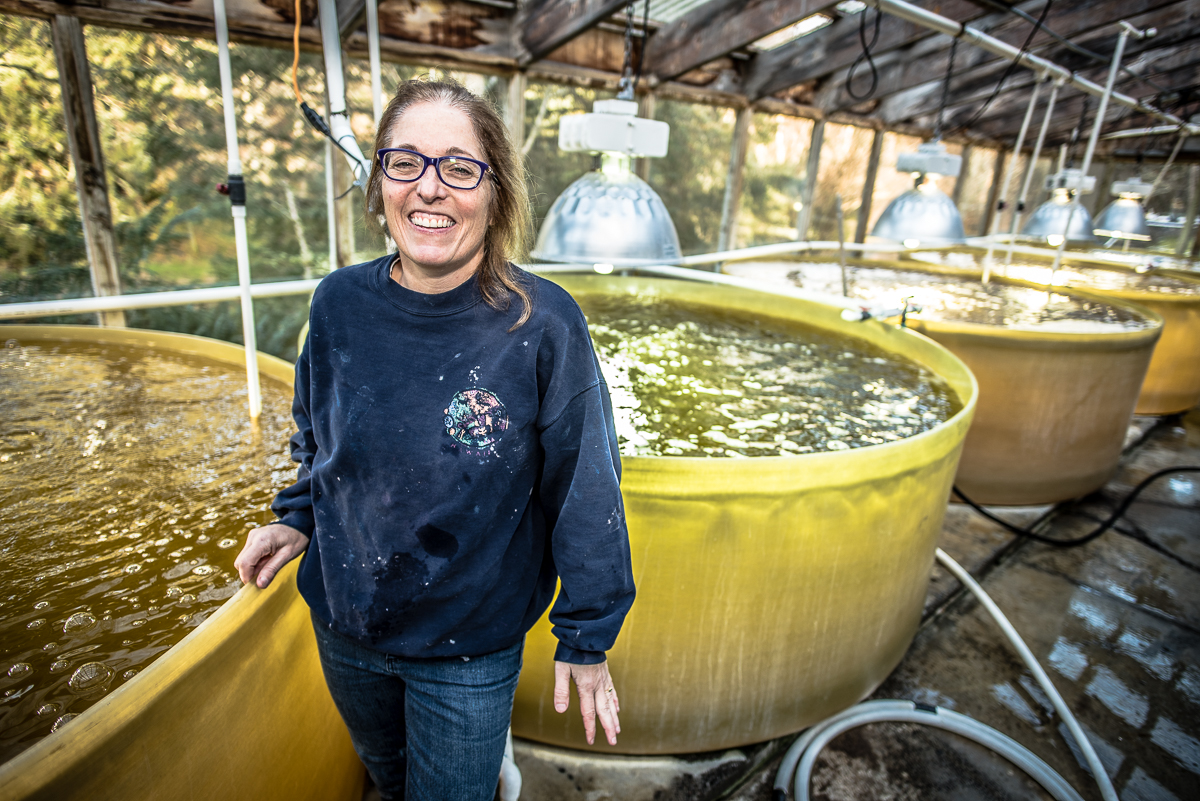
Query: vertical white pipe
253, 390
1031, 167
373, 53
330, 206
1008, 172
1095, 137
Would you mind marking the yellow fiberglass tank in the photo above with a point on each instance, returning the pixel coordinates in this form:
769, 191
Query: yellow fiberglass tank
1059, 371
773, 591
1173, 381
236, 709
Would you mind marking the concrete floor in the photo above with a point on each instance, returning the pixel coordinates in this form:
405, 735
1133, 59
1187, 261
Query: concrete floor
1116, 623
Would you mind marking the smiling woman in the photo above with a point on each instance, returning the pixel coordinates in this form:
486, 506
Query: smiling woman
458, 457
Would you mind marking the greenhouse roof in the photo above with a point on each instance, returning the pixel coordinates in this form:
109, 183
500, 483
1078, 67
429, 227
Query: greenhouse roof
804, 57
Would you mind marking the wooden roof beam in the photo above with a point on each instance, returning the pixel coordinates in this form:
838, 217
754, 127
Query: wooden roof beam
543, 26
838, 45
919, 96
717, 28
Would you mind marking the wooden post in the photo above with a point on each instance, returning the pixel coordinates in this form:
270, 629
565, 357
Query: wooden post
804, 219
647, 107
727, 237
963, 174
83, 135
868, 191
514, 109
994, 191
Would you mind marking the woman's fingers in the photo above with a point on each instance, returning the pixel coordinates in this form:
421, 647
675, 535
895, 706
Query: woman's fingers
267, 550
597, 697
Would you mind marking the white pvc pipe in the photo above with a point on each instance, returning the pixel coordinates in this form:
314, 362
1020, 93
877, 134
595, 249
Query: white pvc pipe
152, 300
1032, 166
1107, 792
373, 54
335, 87
936, 22
1122, 38
253, 389
1008, 171
782, 249
331, 206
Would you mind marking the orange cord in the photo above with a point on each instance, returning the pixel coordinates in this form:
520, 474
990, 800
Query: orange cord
296, 55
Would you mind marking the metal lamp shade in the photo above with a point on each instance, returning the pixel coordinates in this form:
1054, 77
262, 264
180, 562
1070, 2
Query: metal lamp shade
608, 219
925, 214
1124, 218
1050, 219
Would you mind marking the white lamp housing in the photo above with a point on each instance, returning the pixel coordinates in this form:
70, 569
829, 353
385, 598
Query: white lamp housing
614, 127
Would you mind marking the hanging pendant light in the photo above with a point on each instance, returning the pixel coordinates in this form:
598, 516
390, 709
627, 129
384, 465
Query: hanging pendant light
924, 215
1049, 222
1125, 218
610, 217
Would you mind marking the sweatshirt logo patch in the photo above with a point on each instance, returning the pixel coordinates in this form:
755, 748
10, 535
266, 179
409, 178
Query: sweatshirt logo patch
476, 418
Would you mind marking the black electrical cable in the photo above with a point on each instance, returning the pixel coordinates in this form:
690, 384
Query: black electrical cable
1086, 538
642, 47
937, 128
865, 54
1012, 67
1083, 51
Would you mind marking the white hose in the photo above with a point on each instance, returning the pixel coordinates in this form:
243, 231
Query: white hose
510, 774
1097, 767
802, 755
908, 712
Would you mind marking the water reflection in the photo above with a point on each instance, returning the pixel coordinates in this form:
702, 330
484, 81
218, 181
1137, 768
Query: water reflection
694, 381
121, 473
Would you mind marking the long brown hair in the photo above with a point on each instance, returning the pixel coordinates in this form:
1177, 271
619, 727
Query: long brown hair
509, 216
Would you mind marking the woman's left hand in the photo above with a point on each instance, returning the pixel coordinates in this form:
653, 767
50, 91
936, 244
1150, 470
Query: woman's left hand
597, 697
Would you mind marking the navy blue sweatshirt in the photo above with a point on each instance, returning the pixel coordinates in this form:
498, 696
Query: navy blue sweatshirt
450, 471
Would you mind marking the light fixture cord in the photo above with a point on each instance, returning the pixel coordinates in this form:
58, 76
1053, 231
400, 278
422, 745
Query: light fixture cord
937, 131
625, 89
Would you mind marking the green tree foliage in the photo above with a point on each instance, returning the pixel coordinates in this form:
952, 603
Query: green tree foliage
691, 178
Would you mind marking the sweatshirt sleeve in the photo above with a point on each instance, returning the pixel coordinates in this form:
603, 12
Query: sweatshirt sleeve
581, 498
293, 505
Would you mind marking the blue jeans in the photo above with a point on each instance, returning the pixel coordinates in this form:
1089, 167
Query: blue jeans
427, 729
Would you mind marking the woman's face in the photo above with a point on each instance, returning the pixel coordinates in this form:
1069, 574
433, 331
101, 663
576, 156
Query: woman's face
438, 229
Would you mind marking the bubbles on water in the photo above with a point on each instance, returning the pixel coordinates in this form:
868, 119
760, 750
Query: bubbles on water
41, 604
59, 666
50, 647
174, 592
187, 598
79, 622
228, 542
139, 622
203, 538
20, 669
46, 710
133, 568
64, 720
36, 624
129, 674
90, 676
204, 570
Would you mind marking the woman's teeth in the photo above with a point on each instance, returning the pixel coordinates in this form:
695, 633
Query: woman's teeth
429, 221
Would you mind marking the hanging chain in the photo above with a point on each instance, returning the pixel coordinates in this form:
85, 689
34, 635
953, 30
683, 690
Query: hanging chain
625, 89
937, 130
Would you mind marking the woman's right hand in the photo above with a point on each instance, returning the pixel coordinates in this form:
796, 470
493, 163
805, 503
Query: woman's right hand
266, 551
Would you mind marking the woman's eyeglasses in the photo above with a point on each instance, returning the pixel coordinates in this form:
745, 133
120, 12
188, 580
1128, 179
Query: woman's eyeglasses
456, 172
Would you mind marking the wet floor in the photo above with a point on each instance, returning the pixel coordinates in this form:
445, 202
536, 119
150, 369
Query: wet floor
1116, 623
